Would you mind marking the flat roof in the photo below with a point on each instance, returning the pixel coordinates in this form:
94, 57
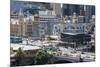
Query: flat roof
24, 47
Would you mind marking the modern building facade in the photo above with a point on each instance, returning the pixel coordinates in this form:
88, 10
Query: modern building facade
57, 8
70, 9
46, 23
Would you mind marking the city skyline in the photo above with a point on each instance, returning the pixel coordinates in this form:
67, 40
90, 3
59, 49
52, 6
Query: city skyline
17, 5
51, 33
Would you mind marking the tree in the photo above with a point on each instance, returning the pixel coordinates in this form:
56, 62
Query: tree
42, 57
20, 53
19, 56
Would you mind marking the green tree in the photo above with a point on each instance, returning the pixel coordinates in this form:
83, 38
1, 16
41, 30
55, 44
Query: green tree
20, 53
19, 56
42, 57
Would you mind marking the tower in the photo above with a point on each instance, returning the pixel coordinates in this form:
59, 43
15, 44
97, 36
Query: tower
21, 22
69, 9
88, 13
57, 8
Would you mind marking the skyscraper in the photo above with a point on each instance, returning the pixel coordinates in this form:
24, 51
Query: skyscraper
69, 9
57, 8
82, 12
89, 11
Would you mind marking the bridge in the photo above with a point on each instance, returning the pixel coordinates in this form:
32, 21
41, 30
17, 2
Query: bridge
66, 59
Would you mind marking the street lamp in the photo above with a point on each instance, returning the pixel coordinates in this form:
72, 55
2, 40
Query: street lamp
26, 41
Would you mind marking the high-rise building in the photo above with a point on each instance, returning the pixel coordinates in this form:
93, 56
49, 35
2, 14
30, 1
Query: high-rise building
89, 11
69, 9
82, 12
44, 23
57, 8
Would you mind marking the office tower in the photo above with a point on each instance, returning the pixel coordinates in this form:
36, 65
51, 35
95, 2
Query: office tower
82, 12
88, 13
69, 9
57, 8
93, 10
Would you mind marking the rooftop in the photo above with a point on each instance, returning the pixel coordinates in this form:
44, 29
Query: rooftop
24, 47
